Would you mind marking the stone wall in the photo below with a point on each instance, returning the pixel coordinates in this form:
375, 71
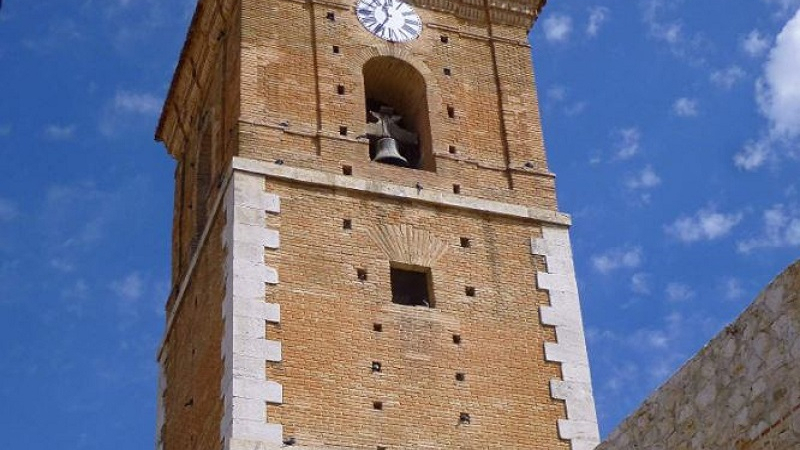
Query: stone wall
740, 392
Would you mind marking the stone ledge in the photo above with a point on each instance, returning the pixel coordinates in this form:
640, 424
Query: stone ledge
383, 189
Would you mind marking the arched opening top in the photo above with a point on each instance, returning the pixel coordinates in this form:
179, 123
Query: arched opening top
396, 92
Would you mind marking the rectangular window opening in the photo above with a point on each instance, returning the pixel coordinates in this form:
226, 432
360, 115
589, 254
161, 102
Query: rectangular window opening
451, 112
347, 224
340, 89
412, 286
465, 242
347, 170
336, 49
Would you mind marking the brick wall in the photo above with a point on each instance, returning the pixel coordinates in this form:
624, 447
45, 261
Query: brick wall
329, 342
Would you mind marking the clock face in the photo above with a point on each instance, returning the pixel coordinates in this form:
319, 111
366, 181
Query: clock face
391, 20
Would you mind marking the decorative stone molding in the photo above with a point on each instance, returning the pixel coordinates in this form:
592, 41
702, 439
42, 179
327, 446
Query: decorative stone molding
384, 189
408, 245
245, 347
564, 313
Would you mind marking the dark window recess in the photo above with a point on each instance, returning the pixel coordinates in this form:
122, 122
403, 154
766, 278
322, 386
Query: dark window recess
447, 71
347, 224
377, 327
340, 89
456, 189
470, 291
444, 39
376, 366
411, 287
452, 149
347, 170
451, 112
377, 405
457, 339
330, 16
336, 49
465, 242
343, 131
460, 377
464, 419
362, 274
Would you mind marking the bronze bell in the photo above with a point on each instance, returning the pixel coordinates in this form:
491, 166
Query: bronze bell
388, 153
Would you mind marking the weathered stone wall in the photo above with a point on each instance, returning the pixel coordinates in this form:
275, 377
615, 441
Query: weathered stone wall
740, 392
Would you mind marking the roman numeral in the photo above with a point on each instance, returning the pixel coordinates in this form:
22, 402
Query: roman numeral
409, 29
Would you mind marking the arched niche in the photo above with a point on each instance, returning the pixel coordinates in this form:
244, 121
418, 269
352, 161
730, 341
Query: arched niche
392, 82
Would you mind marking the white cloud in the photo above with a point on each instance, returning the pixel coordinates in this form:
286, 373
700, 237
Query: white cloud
778, 90
557, 27
754, 155
705, 225
778, 98
118, 111
557, 93
678, 292
784, 5
598, 15
8, 210
574, 109
640, 284
128, 288
618, 258
732, 288
628, 142
685, 107
755, 44
728, 77
59, 132
647, 178
659, 17
129, 102
781, 228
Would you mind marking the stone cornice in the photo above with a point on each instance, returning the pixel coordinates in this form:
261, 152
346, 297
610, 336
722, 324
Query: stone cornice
384, 189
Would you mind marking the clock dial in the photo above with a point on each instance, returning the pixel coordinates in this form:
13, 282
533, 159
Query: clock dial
391, 20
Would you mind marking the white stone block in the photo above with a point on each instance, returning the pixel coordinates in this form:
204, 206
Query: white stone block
265, 391
249, 216
249, 328
249, 430
579, 430
580, 405
256, 234
557, 282
250, 273
269, 312
269, 350
249, 409
249, 367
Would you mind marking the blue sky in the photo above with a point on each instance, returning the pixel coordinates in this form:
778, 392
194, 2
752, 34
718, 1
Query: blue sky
673, 127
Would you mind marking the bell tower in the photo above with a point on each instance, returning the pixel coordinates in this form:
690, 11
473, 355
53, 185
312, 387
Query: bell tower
367, 249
